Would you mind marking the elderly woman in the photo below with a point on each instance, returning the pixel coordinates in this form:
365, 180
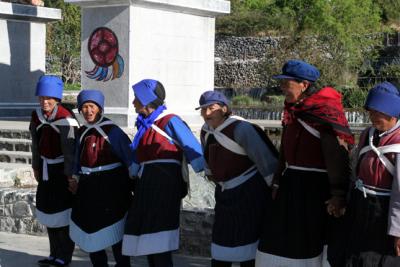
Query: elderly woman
241, 161
162, 145
312, 174
374, 209
53, 129
104, 192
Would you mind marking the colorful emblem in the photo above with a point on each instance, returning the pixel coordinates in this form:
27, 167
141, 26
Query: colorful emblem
103, 50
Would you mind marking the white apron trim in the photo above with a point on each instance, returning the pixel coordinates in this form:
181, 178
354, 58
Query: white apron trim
99, 240
87, 170
97, 126
152, 243
305, 168
221, 138
371, 190
238, 180
47, 161
380, 151
185, 169
54, 220
270, 260
234, 254
310, 129
62, 122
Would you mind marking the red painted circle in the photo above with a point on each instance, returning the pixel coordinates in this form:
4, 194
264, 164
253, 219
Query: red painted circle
103, 46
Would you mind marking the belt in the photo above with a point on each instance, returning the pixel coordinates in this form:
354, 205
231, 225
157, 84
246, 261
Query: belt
238, 180
140, 172
47, 161
87, 170
371, 190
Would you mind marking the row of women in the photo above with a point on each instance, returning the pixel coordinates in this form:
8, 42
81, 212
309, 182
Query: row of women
98, 189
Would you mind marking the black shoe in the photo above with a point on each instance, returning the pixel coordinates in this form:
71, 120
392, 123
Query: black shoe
58, 262
45, 262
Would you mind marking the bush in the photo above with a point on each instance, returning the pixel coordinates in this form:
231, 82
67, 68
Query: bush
72, 86
353, 97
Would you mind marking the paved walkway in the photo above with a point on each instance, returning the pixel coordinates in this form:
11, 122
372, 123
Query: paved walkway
18, 250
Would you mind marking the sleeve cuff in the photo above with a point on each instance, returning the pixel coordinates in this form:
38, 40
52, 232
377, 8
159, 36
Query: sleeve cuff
197, 164
268, 179
134, 169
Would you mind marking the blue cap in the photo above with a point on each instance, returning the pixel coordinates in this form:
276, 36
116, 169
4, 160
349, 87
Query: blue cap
50, 85
92, 95
385, 98
212, 97
299, 70
144, 91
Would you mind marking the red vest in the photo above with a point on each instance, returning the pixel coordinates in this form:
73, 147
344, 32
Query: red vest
95, 150
369, 168
223, 163
301, 148
49, 143
154, 146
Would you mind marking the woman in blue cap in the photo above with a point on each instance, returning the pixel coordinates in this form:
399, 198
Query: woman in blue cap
312, 177
53, 129
162, 145
104, 189
374, 207
240, 161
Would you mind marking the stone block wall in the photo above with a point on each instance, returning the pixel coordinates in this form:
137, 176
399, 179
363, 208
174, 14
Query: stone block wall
17, 215
17, 212
239, 61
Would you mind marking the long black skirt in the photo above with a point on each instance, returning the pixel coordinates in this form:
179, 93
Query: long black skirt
369, 245
152, 224
295, 225
239, 218
99, 211
53, 199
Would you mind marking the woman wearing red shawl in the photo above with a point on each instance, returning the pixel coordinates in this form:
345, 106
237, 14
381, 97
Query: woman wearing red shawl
312, 178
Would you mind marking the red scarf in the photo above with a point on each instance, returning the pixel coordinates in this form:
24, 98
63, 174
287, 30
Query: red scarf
323, 109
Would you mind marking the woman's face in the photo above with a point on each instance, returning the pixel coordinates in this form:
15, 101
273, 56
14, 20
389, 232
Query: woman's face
214, 114
91, 112
140, 109
293, 89
47, 103
381, 121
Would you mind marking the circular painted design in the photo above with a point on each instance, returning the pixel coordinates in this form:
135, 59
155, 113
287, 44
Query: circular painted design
103, 46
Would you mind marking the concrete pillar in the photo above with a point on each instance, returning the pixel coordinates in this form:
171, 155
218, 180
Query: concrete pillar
125, 41
22, 56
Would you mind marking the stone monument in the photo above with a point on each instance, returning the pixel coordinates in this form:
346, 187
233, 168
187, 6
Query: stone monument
22, 55
125, 41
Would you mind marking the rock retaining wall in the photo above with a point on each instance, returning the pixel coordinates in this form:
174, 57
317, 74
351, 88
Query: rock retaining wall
17, 215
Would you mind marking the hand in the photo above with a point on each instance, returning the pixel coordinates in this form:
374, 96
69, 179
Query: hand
397, 246
275, 188
72, 185
336, 206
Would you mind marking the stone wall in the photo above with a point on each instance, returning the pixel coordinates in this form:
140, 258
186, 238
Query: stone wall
17, 215
17, 212
239, 61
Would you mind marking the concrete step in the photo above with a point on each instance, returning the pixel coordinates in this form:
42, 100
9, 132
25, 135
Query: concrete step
12, 144
16, 157
16, 174
15, 133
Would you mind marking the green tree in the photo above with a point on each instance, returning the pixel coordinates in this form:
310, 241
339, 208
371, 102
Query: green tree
335, 35
64, 41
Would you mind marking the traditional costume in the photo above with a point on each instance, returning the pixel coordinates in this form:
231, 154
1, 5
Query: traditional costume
104, 188
313, 167
53, 147
241, 161
162, 146
374, 207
